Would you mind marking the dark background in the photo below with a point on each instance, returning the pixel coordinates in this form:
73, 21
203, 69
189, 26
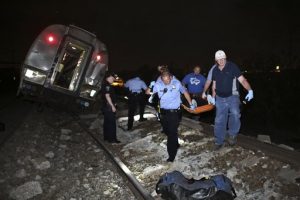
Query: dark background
179, 34
257, 35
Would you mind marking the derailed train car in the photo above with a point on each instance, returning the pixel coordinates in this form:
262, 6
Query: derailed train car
65, 64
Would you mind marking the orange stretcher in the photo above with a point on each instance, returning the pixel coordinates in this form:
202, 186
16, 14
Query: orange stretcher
200, 109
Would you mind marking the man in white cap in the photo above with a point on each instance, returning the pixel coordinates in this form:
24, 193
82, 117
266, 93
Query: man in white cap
225, 77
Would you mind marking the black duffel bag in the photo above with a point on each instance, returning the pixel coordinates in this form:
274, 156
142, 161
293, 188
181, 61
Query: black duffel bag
174, 186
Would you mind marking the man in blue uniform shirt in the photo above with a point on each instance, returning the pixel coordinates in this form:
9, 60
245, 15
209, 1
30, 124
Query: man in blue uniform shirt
169, 90
226, 76
136, 96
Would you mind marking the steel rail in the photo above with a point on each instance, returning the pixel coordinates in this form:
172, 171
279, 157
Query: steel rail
138, 190
247, 142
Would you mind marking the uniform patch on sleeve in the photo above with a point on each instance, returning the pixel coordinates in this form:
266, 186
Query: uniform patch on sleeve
107, 88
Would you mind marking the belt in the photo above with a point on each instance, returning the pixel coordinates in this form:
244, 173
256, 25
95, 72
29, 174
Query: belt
169, 110
135, 93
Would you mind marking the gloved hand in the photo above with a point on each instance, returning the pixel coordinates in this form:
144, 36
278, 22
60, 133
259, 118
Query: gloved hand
151, 84
192, 107
150, 100
249, 96
211, 100
194, 103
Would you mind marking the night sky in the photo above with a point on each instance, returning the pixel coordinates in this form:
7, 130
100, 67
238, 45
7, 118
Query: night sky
152, 33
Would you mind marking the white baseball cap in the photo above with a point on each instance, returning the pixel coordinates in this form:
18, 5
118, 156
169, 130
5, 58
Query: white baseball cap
220, 55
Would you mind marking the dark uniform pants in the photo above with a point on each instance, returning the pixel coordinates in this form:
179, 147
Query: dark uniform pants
109, 126
134, 100
170, 122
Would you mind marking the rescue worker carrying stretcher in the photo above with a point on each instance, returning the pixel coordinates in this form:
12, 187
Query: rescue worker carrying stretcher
195, 82
169, 90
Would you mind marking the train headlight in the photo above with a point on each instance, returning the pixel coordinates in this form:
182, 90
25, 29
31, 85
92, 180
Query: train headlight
35, 76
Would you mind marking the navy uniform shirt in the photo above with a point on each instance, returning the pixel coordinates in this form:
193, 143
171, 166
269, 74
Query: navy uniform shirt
136, 85
108, 89
171, 98
226, 79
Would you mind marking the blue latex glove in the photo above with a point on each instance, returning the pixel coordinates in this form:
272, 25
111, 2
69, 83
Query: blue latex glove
194, 103
150, 100
249, 96
211, 100
192, 107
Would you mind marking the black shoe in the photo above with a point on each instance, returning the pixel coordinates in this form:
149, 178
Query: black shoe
128, 129
170, 160
143, 119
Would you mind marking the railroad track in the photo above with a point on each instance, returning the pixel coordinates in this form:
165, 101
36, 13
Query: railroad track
248, 142
255, 168
278, 153
137, 189
134, 185
141, 156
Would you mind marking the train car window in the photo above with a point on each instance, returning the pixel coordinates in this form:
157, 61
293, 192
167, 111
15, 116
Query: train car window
67, 71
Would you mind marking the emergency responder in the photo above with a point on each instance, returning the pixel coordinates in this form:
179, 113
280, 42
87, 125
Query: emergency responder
136, 96
169, 90
109, 109
226, 76
160, 70
154, 100
195, 82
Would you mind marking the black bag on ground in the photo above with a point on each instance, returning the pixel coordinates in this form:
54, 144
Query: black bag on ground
174, 186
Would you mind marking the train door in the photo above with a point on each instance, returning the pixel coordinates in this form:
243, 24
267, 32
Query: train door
71, 64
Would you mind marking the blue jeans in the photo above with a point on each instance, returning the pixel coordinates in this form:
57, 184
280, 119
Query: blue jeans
227, 113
